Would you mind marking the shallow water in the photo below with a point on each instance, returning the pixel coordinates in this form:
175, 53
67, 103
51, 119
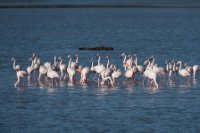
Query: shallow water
37, 107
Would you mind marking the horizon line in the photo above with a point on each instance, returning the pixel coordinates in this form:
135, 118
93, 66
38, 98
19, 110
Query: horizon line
96, 6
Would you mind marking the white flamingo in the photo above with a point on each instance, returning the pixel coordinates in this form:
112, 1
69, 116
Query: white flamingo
182, 72
52, 74
42, 71
140, 68
128, 72
107, 70
126, 61
20, 74
71, 70
150, 74
75, 64
99, 68
30, 70
63, 68
84, 74
116, 74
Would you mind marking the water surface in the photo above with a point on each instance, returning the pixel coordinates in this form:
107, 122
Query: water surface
37, 107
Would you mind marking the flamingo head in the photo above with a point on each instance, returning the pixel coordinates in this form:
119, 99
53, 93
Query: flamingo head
68, 56
34, 55
12, 59
92, 60
75, 56
129, 55
59, 58
55, 58
98, 55
122, 55
152, 57
178, 62
107, 57
185, 65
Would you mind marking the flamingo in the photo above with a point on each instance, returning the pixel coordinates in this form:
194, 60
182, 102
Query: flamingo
188, 68
127, 62
30, 70
74, 64
71, 69
150, 74
182, 72
107, 70
63, 68
99, 68
104, 79
20, 74
52, 74
42, 71
155, 68
36, 63
84, 74
128, 72
116, 74
139, 67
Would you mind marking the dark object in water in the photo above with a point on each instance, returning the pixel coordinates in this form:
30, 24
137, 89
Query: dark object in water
97, 48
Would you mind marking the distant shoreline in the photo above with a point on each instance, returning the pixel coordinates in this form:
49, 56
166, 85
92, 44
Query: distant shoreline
95, 6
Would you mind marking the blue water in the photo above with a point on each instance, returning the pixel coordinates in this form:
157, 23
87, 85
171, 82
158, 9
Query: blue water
36, 107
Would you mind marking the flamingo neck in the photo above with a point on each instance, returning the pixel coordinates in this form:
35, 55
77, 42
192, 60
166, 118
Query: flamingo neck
92, 65
99, 60
54, 61
153, 61
148, 64
14, 66
70, 60
32, 64
77, 60
125, 67
124, 59
180, 65
108, 63
61, 61
136, 61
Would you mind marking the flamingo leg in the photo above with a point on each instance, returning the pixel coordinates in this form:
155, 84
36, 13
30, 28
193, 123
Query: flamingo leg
39, 76
18, 80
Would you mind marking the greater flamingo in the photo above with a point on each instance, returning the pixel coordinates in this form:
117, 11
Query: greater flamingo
183, 72
63, 68
71, 70
20, 74
52, 74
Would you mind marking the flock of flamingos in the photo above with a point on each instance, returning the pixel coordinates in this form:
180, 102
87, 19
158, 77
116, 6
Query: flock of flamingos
104, 75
